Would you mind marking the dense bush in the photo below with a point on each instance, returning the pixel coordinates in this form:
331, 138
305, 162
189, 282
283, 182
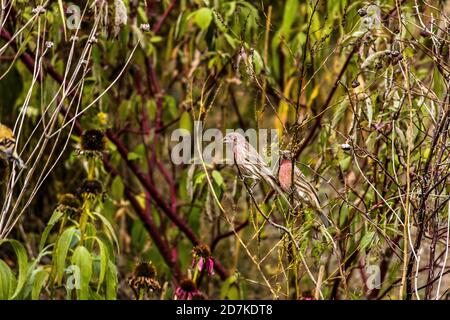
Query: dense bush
93, 90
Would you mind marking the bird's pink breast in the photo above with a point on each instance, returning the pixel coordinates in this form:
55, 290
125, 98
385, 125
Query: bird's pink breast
285, 174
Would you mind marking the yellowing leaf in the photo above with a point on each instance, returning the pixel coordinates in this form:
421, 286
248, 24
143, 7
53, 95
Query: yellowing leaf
283, 108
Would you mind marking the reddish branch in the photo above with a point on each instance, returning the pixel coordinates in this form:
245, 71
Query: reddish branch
163, 18
150, 225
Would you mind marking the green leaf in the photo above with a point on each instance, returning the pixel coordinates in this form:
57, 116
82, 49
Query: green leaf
156, 39
117, 188
56, 216
226, 291
63, 17
6, 281
185, 121
138, 153
258, 63
217, 177
60, 254
22, 261
39, 277
203, 18
111, 282
367, 239
109, 227
83, 260
290, 13
345, 163
339, 113
104, 258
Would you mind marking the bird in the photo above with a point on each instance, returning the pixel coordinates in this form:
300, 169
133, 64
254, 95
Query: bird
8, 146
304, 191
250, 163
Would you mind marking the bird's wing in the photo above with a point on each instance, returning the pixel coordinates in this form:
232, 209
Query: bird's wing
304, 186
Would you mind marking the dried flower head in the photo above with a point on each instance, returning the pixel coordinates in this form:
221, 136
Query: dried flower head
90, 188
201, 257
93, 140
145, 269
187, 290
69, 203
201, 250
143, 279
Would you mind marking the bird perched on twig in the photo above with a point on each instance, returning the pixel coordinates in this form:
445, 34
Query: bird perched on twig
249, 162
8, 146
304, 191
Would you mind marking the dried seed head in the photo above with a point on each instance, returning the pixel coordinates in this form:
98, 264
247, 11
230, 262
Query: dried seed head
69, 204
143, 278
145, 269
69, 200
90, 188
201, 250
93, 140
188, 286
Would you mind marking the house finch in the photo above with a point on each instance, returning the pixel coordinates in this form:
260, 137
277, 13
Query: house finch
250, 163
304, 192
8, 146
